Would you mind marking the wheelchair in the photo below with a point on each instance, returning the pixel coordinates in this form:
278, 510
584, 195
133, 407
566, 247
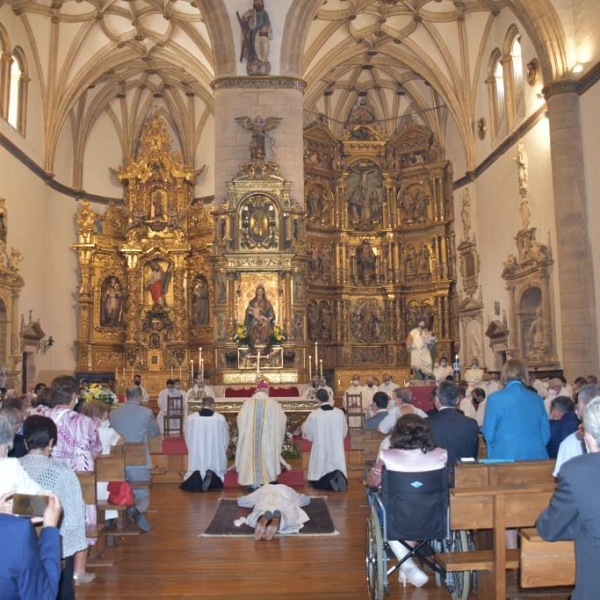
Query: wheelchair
412, 506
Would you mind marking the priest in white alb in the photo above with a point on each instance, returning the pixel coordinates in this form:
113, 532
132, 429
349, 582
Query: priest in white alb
326, 428
261, 433
207, 439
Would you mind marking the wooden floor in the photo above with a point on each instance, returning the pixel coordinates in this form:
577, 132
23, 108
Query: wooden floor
172, 562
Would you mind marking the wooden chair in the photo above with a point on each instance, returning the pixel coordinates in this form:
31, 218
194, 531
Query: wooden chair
175, 416
354, 411
373, 440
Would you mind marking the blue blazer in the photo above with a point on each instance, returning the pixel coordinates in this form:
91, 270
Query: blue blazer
573, 515
29, 568
516, 424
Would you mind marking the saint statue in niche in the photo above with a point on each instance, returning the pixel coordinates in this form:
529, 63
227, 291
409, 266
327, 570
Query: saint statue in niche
111, 313
201, 297
157, 282
260, 317
365, 261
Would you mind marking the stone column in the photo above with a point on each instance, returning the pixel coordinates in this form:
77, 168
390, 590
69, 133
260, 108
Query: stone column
266, 97
573, 248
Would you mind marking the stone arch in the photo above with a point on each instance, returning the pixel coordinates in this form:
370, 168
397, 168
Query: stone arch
221, 36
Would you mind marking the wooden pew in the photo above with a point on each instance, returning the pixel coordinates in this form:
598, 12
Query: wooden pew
496, 496
545, 564
97, 532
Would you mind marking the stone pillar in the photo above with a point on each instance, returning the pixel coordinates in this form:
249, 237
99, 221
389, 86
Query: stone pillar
266, 97
573, 248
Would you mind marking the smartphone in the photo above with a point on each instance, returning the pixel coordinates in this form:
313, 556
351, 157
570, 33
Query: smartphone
29, 505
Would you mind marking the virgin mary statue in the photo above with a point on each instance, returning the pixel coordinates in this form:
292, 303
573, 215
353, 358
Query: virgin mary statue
260, 317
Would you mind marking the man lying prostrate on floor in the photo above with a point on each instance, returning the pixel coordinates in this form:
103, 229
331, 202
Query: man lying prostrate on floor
275, 508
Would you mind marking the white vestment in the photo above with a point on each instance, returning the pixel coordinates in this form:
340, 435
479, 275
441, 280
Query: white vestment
276, 497
326, 429
419, 344
207, 439
474, 377
163, 400
261, 432
441, 373
388, 388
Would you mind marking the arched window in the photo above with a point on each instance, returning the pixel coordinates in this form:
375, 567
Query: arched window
5, 60
513, 63
496, 92
17, 96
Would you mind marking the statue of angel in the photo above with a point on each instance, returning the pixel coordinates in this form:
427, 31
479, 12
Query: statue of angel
259, 127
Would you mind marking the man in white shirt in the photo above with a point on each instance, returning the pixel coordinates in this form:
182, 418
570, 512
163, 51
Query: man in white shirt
163, 401
573, 444
326, 428
207, 439
555, 389
137, 380
388, 386
403, 406
442, 371
200, 390
324, 386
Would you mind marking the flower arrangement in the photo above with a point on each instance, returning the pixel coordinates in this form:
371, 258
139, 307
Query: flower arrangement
277, 335
290, 449
97, 391
241, 335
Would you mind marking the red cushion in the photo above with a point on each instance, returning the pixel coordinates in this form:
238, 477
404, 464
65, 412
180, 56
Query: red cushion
239, 392
284, 392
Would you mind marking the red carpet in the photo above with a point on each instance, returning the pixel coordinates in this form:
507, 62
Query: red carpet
293, 478
174, 445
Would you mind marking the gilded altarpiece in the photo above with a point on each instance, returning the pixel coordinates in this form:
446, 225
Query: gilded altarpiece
260, 272
380, 244
146, 280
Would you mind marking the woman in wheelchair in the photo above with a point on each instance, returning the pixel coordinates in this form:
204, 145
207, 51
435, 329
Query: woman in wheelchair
412, 449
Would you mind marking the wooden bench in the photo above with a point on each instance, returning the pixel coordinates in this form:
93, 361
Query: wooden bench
495, 496
545, 564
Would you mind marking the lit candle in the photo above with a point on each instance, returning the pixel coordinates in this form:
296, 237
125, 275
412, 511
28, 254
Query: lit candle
321, 367
258, 363
199, 356
310, 366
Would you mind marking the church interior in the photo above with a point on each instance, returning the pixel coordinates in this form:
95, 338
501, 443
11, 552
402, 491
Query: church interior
277, 189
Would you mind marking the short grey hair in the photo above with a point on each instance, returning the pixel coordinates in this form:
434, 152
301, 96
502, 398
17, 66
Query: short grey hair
587, 393
403, 394
134, 394
591, 419
447, 393
7, 434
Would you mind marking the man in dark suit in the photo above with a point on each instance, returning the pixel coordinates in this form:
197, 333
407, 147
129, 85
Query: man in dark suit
380, 405
135, 423
573, 510
451, 429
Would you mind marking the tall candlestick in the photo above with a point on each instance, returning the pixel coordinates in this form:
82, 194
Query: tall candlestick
316, 353
199, 356
192, 368
202, 368
179, 372
172, 371
258, 363
321, 367
310, 366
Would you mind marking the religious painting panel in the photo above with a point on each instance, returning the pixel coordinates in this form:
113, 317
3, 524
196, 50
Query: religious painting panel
365, 195
312, 312
298, 289
298, 325
414, 204
367, 322
418, 309
371, 356
530, 320
258, 223
220, 288
320, 260
318, 202
112, 302
158, 274
258, 305
325, 320
366, 263
200, 302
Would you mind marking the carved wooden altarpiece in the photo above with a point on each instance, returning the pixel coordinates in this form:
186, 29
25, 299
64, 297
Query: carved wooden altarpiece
145, 270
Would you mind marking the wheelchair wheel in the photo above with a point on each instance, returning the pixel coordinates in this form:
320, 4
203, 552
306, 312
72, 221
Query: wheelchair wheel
460, 581
375, 559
